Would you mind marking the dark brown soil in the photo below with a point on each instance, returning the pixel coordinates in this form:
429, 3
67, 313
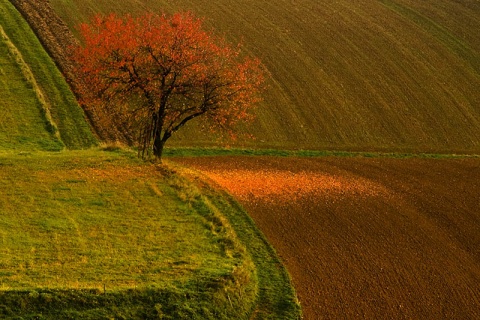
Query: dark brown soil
51, 31
366, 238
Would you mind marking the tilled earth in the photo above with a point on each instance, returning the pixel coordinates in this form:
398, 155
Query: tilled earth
366, 238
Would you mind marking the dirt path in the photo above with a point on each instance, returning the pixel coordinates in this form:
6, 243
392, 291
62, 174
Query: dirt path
367, 238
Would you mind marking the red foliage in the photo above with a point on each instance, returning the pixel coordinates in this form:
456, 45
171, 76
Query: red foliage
160, 72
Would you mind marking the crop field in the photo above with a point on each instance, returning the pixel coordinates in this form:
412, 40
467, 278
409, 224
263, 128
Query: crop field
366, 237
382, 75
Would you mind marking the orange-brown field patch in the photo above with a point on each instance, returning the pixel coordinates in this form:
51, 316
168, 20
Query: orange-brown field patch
273, 185
366, 238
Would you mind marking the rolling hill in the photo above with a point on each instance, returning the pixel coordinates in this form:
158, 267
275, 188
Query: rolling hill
389, 75
396, 75
97, 233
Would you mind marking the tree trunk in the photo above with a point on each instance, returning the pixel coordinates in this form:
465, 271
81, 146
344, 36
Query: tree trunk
158, 145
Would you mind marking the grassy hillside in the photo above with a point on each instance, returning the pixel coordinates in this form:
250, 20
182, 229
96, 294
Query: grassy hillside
38, 110
97, 235
94, 235
105, 224
382, 75
23, 125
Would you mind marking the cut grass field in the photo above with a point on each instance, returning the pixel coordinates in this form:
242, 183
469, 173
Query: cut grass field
97, 234
38, 110
366, 238
396, 75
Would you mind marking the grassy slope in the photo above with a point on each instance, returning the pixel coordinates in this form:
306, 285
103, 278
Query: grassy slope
96, 235
131, 239
23, 124
40, 86
72, 221
397, 75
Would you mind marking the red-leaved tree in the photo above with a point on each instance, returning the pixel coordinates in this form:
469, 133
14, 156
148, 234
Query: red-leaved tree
152, 74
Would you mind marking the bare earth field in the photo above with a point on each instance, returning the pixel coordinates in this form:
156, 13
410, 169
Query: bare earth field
366, 238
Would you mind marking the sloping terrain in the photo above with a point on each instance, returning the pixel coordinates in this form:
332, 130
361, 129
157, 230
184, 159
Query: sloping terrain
98, 233
398, 75
366, 238
39, 110
95, 234
24, 123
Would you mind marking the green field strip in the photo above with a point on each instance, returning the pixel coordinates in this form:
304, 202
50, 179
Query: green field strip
276, 297
26, 123
57, 99
206, 152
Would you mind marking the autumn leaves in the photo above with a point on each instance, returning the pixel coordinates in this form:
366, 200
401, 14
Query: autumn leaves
152, 74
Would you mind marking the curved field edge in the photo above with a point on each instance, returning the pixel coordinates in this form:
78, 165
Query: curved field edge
277, 298
379, 237
95, 234
63, 116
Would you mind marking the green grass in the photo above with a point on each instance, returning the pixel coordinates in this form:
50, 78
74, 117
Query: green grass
387, 76
24, 124
99, 221
277, 298
97, 234
205, 152
38, 108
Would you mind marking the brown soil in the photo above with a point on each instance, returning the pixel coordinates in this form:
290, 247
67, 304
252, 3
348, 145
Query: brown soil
50, 30
366, 238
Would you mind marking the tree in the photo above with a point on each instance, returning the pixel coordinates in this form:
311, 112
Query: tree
153, 74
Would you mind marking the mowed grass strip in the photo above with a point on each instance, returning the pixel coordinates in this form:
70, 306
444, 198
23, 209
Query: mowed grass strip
106, 222
24, 124
44, 89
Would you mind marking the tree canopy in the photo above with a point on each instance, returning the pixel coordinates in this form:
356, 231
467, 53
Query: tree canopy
152, 74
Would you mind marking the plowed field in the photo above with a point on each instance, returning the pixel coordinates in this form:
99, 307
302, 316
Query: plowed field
383, 75
366, 238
